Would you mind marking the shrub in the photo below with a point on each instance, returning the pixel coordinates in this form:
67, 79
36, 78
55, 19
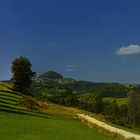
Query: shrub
30, 103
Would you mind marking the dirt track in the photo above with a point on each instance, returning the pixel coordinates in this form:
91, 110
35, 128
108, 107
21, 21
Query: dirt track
121, 132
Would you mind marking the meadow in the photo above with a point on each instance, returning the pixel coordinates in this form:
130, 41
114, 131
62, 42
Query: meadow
19, 123
119, 101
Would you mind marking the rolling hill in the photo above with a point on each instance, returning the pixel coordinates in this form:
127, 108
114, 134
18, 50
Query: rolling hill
19, 122
53, 80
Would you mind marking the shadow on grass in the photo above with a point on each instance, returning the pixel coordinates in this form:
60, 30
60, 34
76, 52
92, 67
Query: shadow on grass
23, 113
6, 91
5, 105
9, 99
6, 102
9, 109
6, 96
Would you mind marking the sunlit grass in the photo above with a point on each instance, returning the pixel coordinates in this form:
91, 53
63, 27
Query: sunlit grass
119, 101
5, 86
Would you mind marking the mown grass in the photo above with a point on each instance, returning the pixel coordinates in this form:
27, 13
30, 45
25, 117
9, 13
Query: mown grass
5, 86
19, 123
25, 127
119, 101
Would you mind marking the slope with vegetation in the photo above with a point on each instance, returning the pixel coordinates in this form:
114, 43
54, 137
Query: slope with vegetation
37, 94
22, 122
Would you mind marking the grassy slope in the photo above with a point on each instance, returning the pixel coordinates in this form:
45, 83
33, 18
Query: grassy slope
5, 86
25, 127
17, 123
119, 101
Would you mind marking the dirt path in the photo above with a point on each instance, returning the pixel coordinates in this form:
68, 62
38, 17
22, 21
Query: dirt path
92, 121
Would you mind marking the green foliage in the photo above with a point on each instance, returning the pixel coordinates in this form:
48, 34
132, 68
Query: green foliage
97, 105
137, 117
120, 111
112, 90
112, 108
93, 104
30, 103
67, 98
133, 109
82, 87
22, 75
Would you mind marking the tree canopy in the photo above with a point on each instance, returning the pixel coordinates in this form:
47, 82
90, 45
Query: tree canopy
22, 75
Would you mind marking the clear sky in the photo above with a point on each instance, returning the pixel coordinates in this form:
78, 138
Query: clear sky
94, 40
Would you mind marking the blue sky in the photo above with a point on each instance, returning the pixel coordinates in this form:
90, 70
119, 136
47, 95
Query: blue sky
94, 40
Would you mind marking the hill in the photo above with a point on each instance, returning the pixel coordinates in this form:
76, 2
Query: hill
50, 75
54, 81
19, 121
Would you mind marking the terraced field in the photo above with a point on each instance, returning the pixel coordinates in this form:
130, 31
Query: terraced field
19, 123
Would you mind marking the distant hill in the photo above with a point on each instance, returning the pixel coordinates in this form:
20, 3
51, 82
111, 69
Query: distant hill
50, 75
55, 82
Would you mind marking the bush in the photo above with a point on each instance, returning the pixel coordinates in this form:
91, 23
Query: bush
30, 103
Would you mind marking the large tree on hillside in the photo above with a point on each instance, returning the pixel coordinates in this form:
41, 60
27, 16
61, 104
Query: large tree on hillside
22, 75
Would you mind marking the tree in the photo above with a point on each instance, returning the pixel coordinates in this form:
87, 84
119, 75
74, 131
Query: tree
95, 103
132, 108
98, 104
22, 75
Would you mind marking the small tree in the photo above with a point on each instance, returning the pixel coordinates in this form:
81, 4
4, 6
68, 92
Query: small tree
22, 75
98, 103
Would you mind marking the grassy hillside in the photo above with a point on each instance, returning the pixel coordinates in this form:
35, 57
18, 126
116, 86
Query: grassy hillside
5, 86
15, 126
19, 123
55, 80
119, 101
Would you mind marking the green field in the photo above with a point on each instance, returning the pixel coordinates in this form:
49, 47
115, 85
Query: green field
26, 127
18, 123
119, 101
